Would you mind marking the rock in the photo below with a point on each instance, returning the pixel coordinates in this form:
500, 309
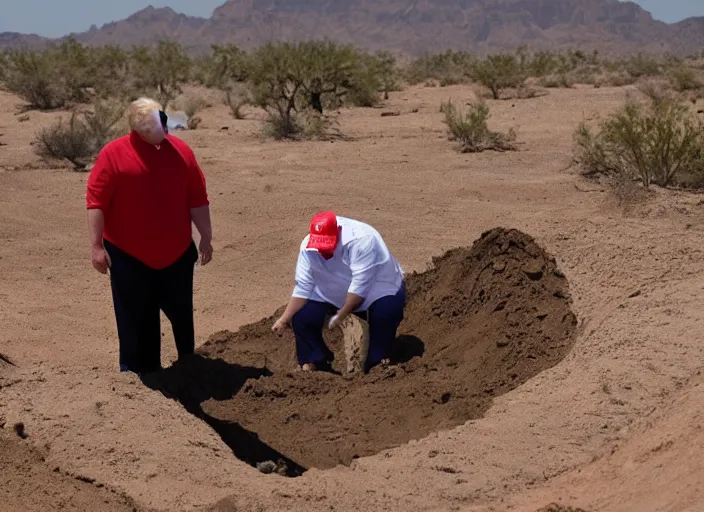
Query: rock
534, 270
502, 343
390, 113
267, 467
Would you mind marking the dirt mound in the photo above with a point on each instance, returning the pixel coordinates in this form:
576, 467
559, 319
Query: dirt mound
481, 322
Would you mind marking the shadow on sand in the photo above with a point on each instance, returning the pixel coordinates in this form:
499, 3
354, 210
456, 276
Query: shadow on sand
198, 379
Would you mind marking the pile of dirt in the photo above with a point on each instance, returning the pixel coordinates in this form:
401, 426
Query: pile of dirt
481, 322
29, 484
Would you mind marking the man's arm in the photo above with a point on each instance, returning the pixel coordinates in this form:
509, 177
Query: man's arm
96, 223
303, 289
363, 259
99, 192
200, 209
201, 218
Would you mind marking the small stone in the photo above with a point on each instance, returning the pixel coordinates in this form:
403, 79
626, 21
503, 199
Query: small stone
499, 266
635, 294
534, 270
502, 343
389, 113
267, 467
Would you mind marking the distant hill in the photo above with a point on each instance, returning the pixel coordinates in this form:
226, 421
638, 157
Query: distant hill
407, 26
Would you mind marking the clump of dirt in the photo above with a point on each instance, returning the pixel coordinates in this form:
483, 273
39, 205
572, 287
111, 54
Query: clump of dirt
554, 507
481, 322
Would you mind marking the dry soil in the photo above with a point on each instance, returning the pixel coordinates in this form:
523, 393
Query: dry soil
604, 411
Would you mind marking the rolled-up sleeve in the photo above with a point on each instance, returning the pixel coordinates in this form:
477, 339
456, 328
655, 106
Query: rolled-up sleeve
101, 183
305, 283
364, 260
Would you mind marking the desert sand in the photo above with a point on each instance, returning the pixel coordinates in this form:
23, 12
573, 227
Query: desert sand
599, 408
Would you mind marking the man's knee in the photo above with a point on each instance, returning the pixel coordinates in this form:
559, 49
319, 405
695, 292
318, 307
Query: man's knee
310, 316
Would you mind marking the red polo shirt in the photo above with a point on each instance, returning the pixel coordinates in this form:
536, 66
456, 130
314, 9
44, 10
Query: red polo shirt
146, 194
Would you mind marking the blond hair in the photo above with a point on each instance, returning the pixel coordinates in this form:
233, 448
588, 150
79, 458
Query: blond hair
143, 114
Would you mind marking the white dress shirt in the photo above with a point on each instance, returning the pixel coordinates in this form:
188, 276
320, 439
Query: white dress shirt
361, 264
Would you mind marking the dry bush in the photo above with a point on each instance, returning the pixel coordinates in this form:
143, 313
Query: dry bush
471, 130
101, 122
660, 143
685, 79
236, 99
72, 141
448, 68
190, 105
84, 135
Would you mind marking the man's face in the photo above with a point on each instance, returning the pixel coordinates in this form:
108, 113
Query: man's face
153, 132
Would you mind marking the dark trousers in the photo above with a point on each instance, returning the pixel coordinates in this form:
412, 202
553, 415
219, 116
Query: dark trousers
383, 317
139, 293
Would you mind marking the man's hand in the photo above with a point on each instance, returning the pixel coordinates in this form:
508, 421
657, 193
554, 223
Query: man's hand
100, 258
336, 321
205, 247
280, 326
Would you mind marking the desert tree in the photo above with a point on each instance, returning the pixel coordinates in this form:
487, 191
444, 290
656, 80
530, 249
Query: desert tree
161, 70
499, 71
287, 78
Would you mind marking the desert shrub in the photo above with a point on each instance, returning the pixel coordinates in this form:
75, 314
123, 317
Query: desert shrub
71, 141
286, 78
642, 65
657, 143
388, 72
84, 134
685, 79
471, 130
102, 120
447, 68
161, 71
499, 71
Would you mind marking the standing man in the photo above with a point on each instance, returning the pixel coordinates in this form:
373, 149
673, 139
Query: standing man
142, 195
344, 267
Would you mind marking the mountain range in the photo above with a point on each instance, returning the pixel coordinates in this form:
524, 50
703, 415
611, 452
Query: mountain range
409, 27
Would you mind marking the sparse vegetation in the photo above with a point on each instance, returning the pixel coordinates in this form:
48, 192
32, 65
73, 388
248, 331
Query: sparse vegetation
498, 72
471, 130
161, 71
83, 136
660, 143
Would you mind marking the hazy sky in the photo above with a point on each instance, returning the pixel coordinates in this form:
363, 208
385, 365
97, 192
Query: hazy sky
53, 18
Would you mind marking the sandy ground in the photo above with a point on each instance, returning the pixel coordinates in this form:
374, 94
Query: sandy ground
615, 426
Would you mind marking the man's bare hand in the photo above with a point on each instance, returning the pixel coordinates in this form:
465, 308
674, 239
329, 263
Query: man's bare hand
280, 326
100, 259
205, 247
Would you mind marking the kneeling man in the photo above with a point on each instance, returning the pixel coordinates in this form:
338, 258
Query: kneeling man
344, 267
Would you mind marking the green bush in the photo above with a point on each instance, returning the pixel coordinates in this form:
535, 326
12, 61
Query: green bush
287, 78
161, 71
447, 68
659, 143
499, 71
685, 79
472, 132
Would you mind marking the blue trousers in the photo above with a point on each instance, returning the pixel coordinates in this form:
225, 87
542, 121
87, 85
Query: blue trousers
383, 317
139, 293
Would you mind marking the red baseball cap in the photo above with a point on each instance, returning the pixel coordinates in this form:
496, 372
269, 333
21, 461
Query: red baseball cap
323, 232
